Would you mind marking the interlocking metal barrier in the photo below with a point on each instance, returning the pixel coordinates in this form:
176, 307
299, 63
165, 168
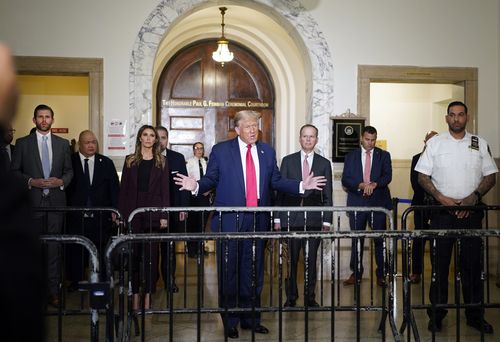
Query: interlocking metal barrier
86, 244
470, 238
197, 305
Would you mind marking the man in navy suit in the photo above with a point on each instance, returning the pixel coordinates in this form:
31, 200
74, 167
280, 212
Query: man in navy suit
95, 184
244, 172
366, 177
297, 166
177, 220
43, 161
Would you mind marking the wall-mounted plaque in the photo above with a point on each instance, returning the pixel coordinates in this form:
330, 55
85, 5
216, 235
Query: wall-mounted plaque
346, 136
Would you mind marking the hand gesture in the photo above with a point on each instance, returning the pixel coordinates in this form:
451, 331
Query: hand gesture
185, 182
313, 183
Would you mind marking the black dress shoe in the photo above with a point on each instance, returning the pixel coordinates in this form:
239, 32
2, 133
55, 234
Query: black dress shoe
290, 303
73, 286
478, 325
381, 281
312, 303
259, 329
232, 333
54, 301
435, 326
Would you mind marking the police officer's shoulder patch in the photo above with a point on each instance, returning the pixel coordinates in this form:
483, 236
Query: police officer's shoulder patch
474, 143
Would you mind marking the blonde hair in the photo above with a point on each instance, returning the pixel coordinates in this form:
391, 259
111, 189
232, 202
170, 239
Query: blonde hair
136, 158
245, 114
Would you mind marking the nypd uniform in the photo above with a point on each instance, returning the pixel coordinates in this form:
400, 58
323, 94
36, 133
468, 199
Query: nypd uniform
456, 168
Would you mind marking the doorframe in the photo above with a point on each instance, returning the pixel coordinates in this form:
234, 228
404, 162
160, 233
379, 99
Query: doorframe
66, 66
414, 74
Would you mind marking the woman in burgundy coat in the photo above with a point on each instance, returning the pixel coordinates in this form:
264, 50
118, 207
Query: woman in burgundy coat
145, 183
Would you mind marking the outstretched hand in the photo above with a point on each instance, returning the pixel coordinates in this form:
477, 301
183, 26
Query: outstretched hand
313, 183
185, 182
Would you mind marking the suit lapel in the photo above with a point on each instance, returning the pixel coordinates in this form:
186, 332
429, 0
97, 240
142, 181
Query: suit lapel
96, 177
38, 161
236, 161
262, 167
375, 162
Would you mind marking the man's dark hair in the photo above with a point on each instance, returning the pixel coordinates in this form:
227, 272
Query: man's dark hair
456, 103
162, 128
369, 130
42, 107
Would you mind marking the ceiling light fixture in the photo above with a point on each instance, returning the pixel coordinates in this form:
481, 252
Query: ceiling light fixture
222, 55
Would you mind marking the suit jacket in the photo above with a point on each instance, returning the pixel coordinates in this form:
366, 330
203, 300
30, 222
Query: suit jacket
158, 195
177, 164
27, 163
225, 174
105, 185
381, 173
291, 167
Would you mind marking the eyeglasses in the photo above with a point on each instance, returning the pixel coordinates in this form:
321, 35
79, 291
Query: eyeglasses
12, 130
198, 148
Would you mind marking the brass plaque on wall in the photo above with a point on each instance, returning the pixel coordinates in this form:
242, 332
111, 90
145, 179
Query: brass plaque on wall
346, 137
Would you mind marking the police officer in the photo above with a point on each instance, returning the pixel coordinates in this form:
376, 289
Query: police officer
457, 169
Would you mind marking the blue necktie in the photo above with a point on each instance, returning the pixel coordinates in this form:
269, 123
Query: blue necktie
45, 161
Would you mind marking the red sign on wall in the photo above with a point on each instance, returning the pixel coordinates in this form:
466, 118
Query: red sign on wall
60, 130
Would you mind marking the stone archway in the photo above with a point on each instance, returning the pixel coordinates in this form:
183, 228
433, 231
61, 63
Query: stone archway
301, 26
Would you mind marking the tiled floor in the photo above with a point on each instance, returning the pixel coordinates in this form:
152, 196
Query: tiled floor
322, 326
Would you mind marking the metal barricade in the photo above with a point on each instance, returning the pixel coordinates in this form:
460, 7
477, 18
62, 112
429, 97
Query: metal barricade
69, 226
201, 306
93, 285
441, 240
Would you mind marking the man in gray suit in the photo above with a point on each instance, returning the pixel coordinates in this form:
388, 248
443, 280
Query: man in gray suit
43, 160
297, 166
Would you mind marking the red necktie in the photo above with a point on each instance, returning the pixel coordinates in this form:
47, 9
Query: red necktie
368, 168
305, 168
251, 186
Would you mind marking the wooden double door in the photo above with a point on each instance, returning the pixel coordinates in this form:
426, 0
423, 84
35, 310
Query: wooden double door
197, 98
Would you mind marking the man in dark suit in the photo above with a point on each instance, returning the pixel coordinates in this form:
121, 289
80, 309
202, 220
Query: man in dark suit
244, 172
6, 148
177, 220
95, 184
298, 166
420, 218
366, 177
43, 160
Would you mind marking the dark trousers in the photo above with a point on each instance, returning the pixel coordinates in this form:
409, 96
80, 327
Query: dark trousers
358, 221
168, 261
469, 259
295, 245
421, 221
239, 286
97, 228
197, 222
51, 223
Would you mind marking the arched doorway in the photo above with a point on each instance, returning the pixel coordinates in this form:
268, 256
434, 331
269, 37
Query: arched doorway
198, 98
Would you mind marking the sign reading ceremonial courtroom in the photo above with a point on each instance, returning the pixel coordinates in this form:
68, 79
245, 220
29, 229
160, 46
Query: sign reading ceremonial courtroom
210, 103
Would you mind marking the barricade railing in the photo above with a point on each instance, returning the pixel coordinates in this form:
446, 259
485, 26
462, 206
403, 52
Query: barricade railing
96, 290
471, 235
385, 303
69, 226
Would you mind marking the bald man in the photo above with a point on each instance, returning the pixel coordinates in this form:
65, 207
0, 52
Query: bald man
95, 184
